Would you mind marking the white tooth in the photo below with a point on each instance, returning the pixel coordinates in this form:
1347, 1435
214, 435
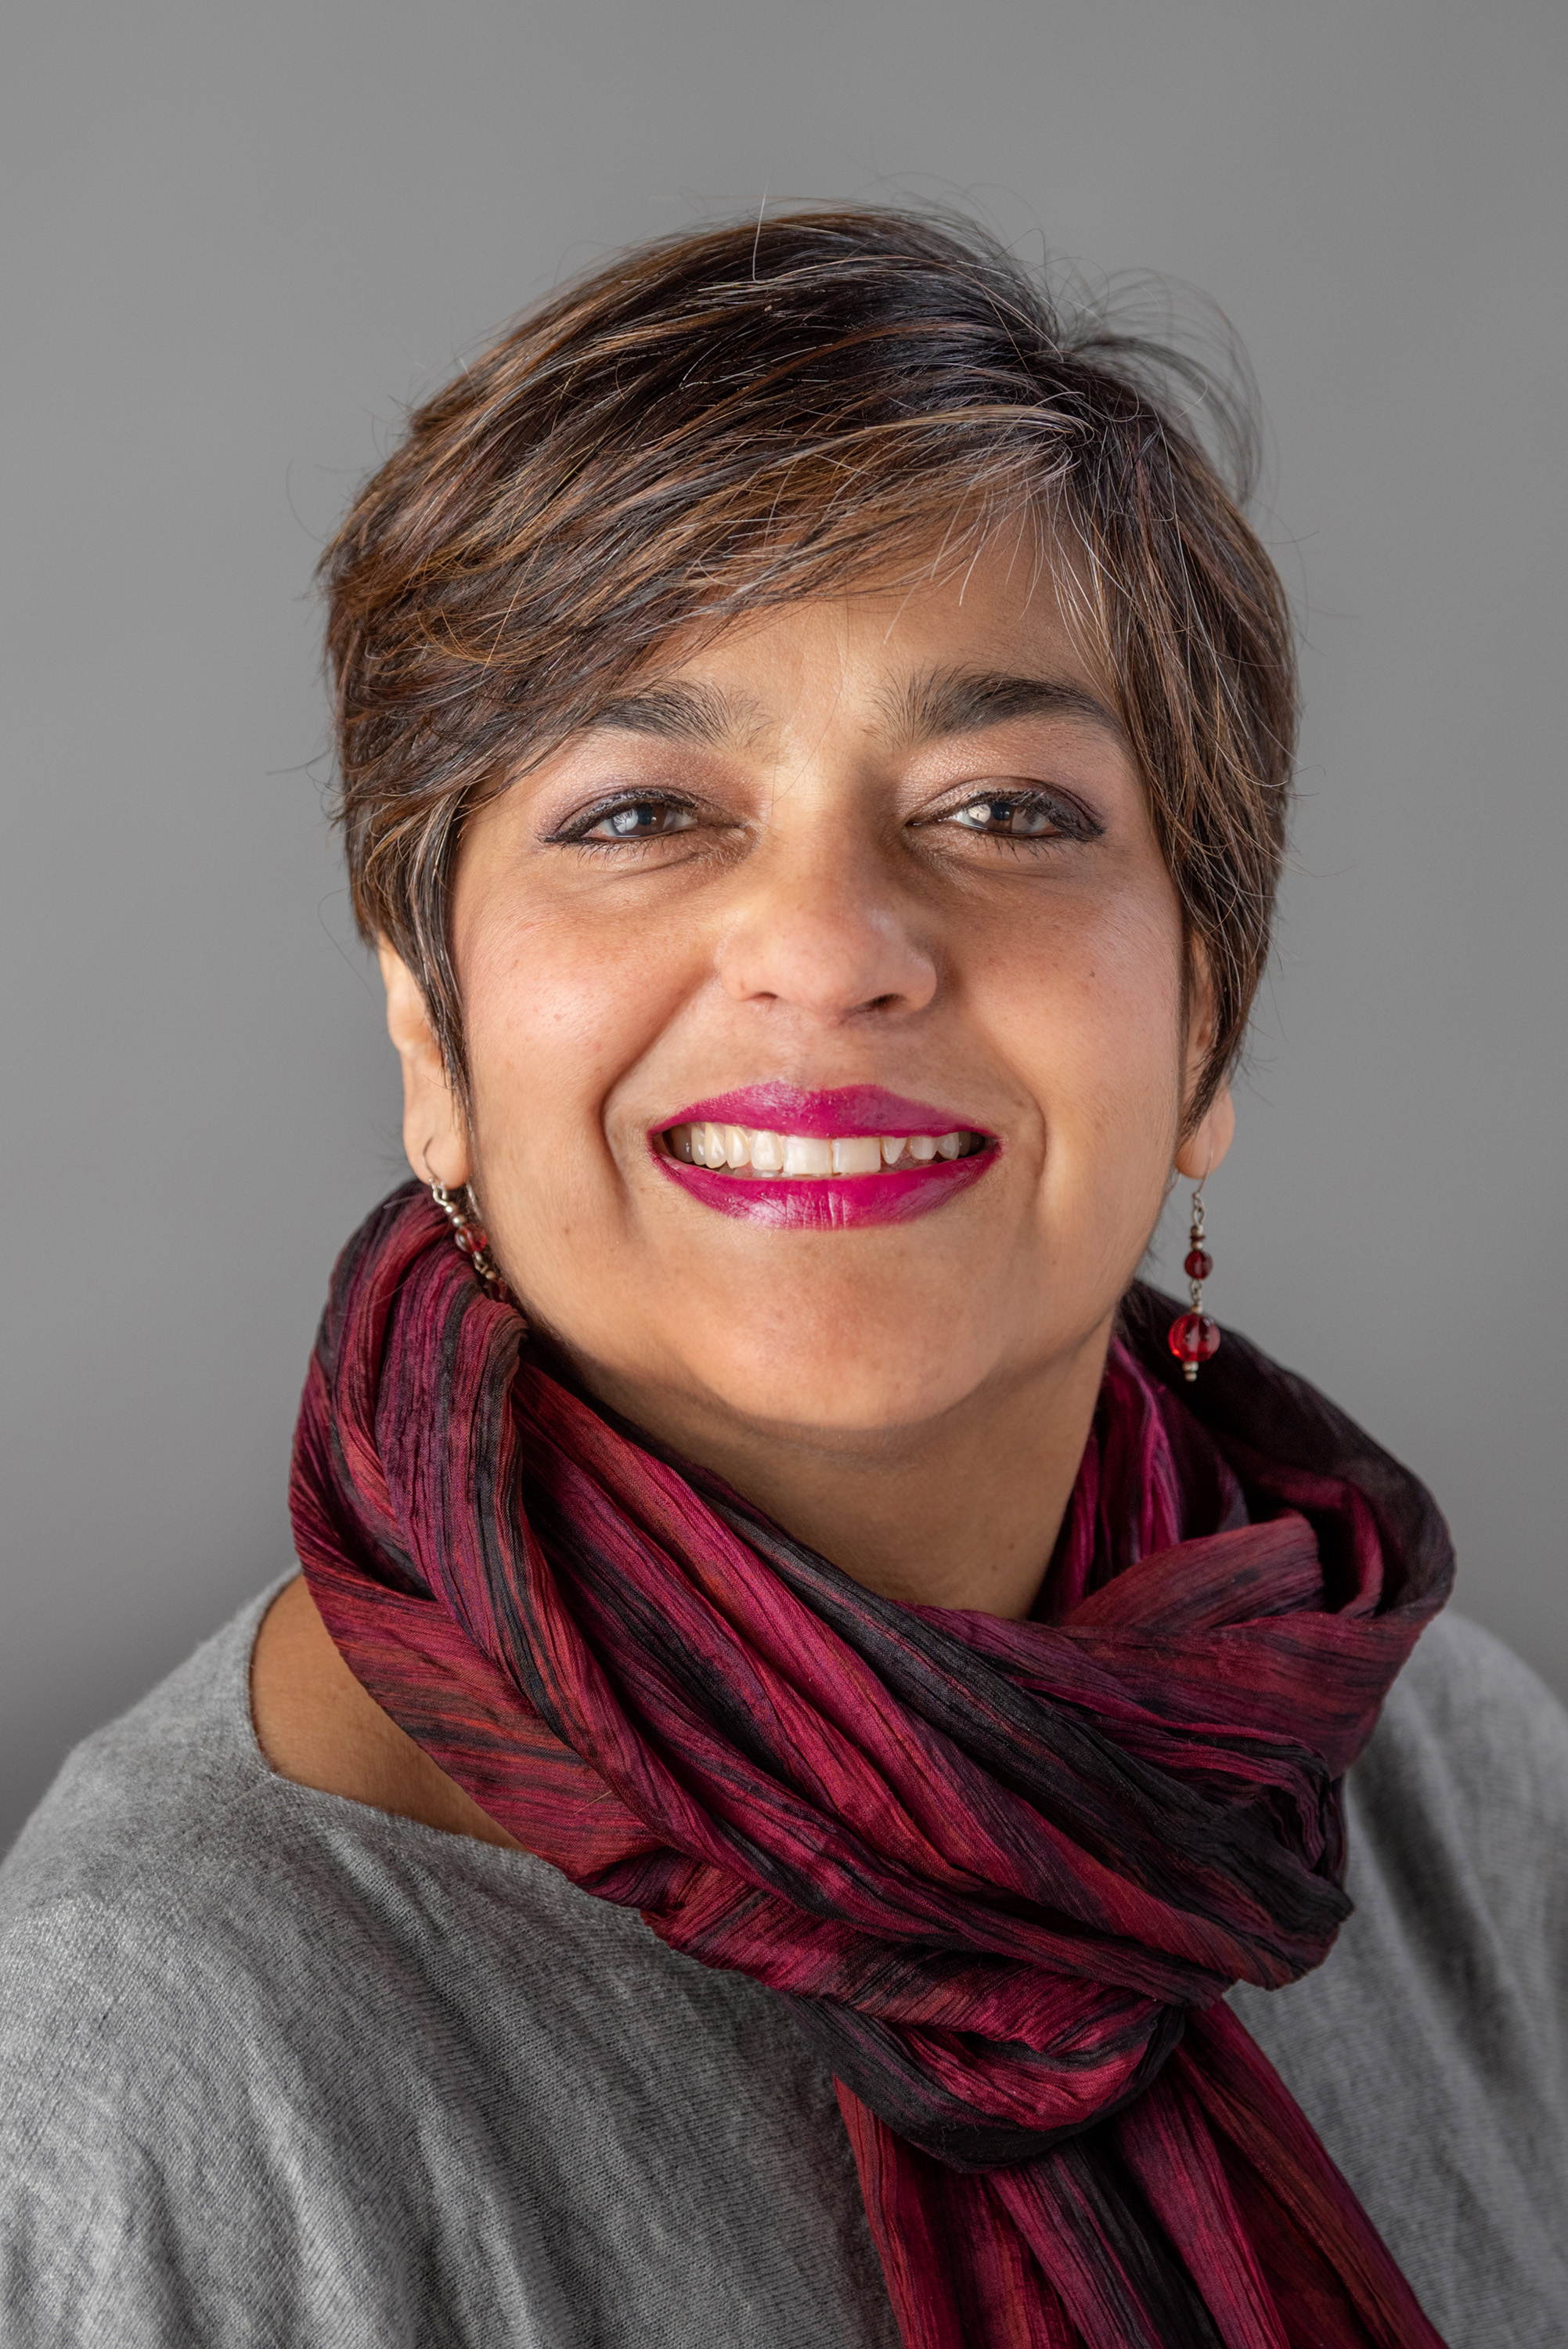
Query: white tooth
950, 1145
857, 1154
891, 1145
737, 1145
921, 1148
807, 1153
768, 1153
694, 1140
680, 1144
713, 1145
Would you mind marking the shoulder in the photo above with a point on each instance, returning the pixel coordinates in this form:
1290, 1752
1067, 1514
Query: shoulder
279, 2068
1462, 1793
1484, 1701
210, 1980
1430, 2050
142, 1800
168, 1846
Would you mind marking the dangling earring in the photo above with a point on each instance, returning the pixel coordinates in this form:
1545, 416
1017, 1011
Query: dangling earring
461, 1210
1194, 1337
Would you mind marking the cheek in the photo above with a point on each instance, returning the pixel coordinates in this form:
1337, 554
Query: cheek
1095, 1019
555, 1011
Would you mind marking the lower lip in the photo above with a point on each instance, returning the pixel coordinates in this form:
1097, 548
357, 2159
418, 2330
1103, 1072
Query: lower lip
829, 1202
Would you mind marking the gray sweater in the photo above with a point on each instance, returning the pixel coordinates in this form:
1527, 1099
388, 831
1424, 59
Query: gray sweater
278, 2069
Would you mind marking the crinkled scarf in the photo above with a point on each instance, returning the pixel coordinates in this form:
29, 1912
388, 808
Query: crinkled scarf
1003, 1873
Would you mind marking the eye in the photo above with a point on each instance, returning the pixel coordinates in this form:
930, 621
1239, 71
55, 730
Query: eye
1014, 816
644, 819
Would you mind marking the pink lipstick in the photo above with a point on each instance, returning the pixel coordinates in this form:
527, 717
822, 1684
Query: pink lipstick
825, 1161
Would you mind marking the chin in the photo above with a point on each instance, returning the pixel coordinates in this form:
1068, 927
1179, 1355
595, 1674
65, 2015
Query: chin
836, 1391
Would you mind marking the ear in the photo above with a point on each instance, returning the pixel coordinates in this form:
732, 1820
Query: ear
1206, 1145
434, 1131
1210, 1139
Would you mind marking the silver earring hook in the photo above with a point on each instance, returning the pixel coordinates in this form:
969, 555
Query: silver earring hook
1197, 1192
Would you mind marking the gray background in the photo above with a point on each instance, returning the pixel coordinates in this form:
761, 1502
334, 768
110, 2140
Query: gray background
238, 238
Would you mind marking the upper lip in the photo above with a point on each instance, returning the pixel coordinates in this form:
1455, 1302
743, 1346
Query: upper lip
778, 1108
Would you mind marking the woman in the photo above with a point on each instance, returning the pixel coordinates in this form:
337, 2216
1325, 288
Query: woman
803, 1784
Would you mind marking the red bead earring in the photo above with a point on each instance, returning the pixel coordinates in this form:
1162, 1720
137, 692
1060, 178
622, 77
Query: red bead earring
461, 1212
1194, 1337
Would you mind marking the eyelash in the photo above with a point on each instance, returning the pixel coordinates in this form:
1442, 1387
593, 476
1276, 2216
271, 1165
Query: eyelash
1068, 821
574, 833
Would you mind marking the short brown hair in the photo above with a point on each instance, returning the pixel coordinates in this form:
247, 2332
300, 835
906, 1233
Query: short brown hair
750, 415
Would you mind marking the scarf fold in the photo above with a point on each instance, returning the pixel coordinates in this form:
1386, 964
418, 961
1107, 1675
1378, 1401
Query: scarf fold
1004, 1873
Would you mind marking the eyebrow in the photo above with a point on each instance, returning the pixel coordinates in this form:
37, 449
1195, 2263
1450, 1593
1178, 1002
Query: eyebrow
936, 703
675, 712
962, 701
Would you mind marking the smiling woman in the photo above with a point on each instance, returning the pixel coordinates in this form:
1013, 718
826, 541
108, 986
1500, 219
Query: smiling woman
892, 848
813, 1752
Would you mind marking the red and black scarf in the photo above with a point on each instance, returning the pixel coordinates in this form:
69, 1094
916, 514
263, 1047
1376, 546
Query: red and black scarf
1004, 1873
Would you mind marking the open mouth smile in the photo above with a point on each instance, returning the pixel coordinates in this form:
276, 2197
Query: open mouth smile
828, 1161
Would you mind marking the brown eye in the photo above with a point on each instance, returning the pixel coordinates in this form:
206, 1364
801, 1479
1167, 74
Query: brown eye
640, 820
1011, 814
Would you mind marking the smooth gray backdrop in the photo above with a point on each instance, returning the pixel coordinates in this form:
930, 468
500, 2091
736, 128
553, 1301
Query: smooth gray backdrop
240, 238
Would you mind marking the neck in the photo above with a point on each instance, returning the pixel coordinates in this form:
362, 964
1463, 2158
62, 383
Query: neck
959, 1511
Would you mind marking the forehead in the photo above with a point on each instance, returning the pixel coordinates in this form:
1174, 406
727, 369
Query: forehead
907, 661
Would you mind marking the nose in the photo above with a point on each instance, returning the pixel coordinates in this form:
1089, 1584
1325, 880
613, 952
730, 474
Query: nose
826, 932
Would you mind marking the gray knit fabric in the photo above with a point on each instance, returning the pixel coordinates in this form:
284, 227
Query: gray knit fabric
277, 2069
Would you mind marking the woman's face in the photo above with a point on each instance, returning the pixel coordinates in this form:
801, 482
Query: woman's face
861, 871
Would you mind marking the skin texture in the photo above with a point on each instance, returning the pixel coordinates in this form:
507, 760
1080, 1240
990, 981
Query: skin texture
842, 871
316, 1725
